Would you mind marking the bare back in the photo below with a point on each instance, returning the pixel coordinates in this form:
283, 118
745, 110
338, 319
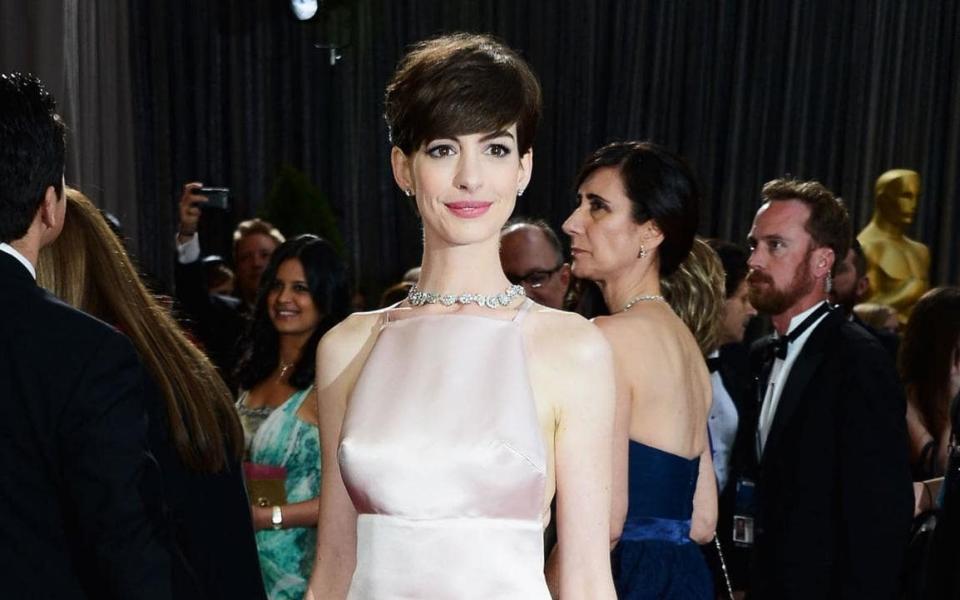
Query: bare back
660, 367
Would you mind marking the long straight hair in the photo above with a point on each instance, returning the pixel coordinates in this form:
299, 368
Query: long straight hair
88, 268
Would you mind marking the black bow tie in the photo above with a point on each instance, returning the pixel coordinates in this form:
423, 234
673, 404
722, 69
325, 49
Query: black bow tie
779, 346
713, 364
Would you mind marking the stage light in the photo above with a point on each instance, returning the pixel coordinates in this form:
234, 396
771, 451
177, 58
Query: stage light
304, 9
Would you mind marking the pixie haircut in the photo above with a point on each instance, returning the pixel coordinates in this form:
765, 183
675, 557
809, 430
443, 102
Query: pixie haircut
829, 221
661, 187
461, 84
32, 151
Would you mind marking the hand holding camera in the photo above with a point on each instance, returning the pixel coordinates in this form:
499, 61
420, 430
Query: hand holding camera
194, 198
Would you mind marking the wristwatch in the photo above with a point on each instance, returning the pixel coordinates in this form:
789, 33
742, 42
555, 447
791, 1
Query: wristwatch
277, 518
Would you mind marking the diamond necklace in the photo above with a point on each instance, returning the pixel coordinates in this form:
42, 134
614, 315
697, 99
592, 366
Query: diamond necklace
418, 297
642, 298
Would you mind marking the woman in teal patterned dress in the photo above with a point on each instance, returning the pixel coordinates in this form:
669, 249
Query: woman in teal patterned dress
303, 293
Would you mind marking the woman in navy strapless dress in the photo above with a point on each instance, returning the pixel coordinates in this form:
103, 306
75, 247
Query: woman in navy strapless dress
634, 223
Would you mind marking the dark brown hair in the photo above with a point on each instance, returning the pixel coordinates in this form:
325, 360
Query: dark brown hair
829, 221
460, 84
928, 348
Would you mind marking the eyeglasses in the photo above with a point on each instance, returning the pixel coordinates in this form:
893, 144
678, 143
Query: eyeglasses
534, 279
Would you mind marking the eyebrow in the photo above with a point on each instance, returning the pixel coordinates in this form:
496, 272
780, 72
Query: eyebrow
496, 134
594, 197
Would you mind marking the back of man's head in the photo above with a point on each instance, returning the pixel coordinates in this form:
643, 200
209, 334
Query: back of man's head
32, 150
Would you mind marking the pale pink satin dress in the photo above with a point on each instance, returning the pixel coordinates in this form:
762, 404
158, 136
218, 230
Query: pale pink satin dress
442, 455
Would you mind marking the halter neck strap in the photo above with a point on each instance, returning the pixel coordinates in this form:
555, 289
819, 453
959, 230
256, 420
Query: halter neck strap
523, 310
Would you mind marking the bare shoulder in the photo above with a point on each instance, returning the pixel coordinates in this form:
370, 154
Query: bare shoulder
635, 326
340, 346
566, 335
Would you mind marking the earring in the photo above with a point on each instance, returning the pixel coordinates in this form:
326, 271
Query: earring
643, 251
408, 192
828, 284
520, 191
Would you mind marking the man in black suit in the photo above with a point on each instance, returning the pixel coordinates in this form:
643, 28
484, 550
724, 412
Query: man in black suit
851, 285
75, 523
834, 500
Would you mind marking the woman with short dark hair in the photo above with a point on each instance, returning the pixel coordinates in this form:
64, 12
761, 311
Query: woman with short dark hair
457, 413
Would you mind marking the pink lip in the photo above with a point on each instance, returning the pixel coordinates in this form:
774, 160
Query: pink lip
469, 210
576, 251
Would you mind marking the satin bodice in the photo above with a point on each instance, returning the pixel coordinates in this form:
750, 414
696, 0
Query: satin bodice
442, 456
661, 488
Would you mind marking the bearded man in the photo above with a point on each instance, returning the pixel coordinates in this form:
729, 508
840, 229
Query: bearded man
833, 501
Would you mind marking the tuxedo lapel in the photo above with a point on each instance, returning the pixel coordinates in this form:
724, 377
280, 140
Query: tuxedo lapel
802, 372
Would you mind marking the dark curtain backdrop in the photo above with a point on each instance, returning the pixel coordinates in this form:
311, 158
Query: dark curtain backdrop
80, 50
226, 91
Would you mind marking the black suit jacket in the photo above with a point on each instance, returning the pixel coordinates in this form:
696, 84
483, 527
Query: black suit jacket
78, 511
217, 321
834, 495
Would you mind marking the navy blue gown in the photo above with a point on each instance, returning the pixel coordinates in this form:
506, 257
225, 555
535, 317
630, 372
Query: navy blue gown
656, 557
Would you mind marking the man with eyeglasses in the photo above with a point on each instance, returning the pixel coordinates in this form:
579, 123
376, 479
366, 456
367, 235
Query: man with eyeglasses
531, 255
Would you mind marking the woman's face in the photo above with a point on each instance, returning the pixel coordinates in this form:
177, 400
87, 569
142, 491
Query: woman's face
289, 302
604, 238
466, 186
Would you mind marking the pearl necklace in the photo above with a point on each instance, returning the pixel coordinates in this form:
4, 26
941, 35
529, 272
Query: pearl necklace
418, 297
642, 298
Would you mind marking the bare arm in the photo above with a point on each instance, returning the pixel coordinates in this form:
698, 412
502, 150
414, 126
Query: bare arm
340, 358
703, 523
586, 408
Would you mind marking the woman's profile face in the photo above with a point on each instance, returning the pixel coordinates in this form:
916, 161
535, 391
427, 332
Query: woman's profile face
466, 186
289, 303
604, 238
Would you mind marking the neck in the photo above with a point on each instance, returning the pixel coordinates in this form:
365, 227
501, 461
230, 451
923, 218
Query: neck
291, 346
639, 279
29, 250
891, 229
456, 269
781, 322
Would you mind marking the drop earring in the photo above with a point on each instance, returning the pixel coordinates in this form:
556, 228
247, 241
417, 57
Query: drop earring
643, 251
408, 192
828, 284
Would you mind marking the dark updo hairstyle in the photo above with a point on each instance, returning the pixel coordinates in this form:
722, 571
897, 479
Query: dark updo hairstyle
928, 348
326, 276
661, 187
461, 84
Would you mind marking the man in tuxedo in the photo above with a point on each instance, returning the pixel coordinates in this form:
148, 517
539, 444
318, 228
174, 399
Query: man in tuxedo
834, 500
851, 286
75, 471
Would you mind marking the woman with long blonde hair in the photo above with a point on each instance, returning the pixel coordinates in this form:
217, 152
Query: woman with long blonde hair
194, 432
